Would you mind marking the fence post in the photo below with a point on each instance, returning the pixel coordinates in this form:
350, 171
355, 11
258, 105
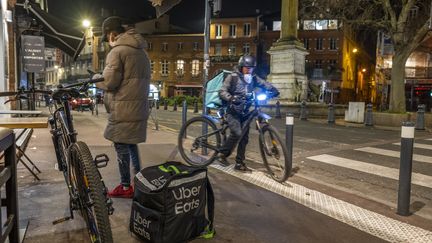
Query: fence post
303, 111
405, 169
157, 104
278, 112
331, 115
369, 116
165, 105
420, 124
184, 115
175, 106
195, 106
289, 134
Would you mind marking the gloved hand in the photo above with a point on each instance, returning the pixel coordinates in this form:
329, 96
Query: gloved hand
236, 100
97, 76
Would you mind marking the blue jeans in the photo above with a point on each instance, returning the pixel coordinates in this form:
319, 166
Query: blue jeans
126, 153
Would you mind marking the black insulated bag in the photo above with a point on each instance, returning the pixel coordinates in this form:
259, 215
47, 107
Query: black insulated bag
172, 203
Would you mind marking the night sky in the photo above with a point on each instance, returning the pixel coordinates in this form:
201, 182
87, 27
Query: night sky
188, 13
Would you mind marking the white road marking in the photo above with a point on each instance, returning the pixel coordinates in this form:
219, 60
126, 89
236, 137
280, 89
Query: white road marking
378, 170
419, 145
396, 154
368, 221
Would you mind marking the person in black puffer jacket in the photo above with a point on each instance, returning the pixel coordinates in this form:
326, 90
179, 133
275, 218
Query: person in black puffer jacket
235, 95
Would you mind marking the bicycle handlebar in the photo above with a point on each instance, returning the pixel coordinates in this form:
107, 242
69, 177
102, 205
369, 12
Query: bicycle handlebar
89, 81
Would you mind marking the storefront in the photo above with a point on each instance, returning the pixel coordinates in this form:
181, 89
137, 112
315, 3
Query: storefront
185, 89
418, 91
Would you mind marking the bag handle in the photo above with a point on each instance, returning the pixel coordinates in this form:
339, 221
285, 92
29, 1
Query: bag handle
171, 168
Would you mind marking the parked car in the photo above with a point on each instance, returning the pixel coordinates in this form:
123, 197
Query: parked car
82, 102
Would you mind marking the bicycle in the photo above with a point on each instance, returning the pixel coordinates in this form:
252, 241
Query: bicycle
87, 191
199, 147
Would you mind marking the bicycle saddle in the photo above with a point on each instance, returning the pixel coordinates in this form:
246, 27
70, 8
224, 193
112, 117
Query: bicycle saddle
68, 92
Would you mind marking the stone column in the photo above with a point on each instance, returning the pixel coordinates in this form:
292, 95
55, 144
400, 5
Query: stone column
287, 65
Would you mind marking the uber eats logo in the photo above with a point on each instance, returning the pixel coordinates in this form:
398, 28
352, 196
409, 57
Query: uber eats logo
187, 199
141, 225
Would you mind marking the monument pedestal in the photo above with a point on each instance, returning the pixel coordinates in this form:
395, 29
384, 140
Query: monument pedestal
287, 70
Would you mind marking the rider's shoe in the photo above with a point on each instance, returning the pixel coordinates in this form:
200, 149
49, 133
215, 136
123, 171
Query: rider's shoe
241, 167
223, 161
119, 191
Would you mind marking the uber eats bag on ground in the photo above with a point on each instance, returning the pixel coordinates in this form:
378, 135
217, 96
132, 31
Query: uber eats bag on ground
172, 203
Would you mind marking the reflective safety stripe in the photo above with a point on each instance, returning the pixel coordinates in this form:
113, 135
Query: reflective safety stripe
145, 182
181, 181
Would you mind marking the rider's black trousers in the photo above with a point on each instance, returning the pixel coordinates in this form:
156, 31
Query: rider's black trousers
235, 123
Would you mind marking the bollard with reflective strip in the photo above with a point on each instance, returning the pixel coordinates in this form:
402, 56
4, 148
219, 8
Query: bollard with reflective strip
278, 112
165, 105
303, 111
405, 169
289, 134
157, 104
195, 106
369, 118
175, 106
420, 124
331, 116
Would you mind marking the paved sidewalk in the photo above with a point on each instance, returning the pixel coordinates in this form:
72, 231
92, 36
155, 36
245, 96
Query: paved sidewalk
245, 212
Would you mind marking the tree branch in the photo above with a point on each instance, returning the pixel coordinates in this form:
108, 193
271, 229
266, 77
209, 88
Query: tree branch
418, 37
403, 17
389, 10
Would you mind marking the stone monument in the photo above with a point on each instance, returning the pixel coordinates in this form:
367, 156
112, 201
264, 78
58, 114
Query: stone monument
287, 64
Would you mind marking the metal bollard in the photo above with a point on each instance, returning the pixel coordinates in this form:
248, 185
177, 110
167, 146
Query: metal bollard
289, 134
184, 114
369, 116
420, 124
195, 106
165, 105
278, 112
303, 111
175, 106
405, 169
157, 104
331, 115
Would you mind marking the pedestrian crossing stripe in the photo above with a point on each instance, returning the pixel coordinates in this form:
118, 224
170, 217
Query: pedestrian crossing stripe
382, 171
396, 154
429, 139
419, 145
368, 221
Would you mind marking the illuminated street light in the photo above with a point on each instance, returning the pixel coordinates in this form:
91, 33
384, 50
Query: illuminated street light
86, 23
355, 50
364, 70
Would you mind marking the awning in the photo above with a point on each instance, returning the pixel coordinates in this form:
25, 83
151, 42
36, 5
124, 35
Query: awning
188, 86
68, 40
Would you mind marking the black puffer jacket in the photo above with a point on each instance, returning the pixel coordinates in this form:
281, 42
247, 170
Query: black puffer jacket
235, 85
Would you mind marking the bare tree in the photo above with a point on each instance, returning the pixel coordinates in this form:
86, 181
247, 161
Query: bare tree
406, 22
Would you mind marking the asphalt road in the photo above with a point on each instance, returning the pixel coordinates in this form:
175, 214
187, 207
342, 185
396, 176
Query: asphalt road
359, 160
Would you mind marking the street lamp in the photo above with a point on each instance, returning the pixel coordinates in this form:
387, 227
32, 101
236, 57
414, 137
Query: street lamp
364, 70
355, 50
86, 23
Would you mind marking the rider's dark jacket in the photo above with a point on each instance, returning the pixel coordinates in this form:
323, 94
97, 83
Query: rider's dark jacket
235, 85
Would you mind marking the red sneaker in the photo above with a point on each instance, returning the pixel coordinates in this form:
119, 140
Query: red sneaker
120, 192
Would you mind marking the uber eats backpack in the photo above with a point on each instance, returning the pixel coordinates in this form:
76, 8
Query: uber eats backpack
172, 203
212, 99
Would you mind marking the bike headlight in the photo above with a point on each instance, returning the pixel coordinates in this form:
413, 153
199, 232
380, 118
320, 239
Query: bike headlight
261, 97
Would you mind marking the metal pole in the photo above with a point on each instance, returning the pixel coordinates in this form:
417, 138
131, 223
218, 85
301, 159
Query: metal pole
420, 124
156, 120
331, 116
206, 64
278, 112
184, 115
303, 111
369, 115
289, 133
405, 170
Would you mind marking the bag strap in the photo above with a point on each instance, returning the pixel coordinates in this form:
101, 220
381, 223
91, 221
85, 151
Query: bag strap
171, 168
209, 231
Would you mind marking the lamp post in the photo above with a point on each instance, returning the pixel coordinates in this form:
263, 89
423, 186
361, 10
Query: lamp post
355, 53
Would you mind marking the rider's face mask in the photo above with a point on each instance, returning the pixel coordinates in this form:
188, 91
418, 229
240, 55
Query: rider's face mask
248, 78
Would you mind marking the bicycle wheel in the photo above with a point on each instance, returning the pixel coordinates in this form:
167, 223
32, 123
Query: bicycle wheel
192, 141
87, 182
274, 154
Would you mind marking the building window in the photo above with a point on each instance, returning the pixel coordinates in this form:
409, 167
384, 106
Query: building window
195, 68
332, 63
246, 48
180, 68
152, 66
218, 49
149, 46
306, 43
164, 68
318, 63
179, 46
218, 31
232, 49
333, 45
247, 29
319, 44
195, 46
232, 30
164, 46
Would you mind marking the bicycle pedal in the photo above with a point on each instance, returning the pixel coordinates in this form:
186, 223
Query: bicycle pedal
58, 221
101, 160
